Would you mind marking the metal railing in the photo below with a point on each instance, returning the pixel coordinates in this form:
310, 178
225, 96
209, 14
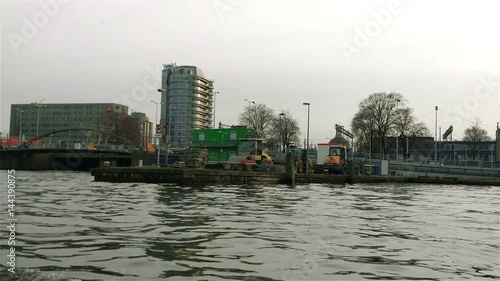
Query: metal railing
443, 169
488, 169
64, 143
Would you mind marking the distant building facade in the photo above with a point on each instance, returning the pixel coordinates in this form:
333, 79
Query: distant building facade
416, 149
459, 151
145, 127
50, 117
187, 100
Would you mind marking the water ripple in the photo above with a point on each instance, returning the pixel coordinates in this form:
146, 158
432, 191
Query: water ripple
100, 231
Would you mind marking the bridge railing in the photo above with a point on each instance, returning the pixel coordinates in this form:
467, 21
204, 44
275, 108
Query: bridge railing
64, 143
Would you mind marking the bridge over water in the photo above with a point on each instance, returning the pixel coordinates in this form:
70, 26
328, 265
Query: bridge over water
47, 152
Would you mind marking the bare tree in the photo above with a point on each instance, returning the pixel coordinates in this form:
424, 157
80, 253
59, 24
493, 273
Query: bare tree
363, 128
382, 115
405, 124
285, 130
419, 129
258, 117
375, 117
474, 133
122, 126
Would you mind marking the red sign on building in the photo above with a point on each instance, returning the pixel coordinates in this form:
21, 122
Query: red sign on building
109, 108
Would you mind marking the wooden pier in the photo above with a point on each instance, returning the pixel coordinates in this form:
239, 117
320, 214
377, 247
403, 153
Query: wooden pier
188, 176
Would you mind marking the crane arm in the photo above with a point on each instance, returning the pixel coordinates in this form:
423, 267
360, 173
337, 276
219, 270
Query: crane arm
344, 131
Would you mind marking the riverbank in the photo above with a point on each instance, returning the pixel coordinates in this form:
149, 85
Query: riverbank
232, 177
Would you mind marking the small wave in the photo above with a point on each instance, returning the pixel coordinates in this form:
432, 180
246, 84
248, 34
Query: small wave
32, 275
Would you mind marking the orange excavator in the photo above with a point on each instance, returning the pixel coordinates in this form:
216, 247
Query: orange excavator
337, 161
332, 159
335, 154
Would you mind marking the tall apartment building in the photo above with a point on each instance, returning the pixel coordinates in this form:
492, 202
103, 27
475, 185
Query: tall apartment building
27, 119
187, 100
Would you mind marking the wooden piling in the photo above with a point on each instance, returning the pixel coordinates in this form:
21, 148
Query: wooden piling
290, 169
136, 156
350, 170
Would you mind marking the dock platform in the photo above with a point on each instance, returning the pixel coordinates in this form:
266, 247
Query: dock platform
189, 176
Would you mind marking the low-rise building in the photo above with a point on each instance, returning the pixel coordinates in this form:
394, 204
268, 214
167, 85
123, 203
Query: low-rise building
419, 149
31, 120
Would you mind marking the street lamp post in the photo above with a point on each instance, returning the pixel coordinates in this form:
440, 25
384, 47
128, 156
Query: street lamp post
307, 149
158, 144
397, 133
249, 102
38, 105
20, 123
156, 113
407, 150
169, 115
168, 130
435, 138
215, 96
283, 130
370, 149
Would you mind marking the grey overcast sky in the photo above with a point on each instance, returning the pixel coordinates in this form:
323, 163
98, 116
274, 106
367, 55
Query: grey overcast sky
281, 53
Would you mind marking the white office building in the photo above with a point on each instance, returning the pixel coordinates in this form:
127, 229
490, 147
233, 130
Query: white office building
187, 102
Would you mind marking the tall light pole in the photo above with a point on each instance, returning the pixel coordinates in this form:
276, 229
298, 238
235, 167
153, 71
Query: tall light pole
168, 130
436, 136
158, 144
215, 96
249, 102
397, 133
169, 115
307, 149
20, 123
407, 150
257, 132
156, 114
38, 105
283, 130
156, 117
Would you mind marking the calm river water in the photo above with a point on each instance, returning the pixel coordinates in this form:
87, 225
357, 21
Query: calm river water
70, 225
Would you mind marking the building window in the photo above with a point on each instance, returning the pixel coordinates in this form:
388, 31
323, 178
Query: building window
233, 136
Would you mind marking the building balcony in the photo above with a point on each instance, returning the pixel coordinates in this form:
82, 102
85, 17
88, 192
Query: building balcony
206, 86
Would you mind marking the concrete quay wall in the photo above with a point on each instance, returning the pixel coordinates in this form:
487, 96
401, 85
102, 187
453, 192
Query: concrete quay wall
208, 176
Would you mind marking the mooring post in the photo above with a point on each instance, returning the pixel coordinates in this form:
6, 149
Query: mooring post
136, 156
350, 170
290, 169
